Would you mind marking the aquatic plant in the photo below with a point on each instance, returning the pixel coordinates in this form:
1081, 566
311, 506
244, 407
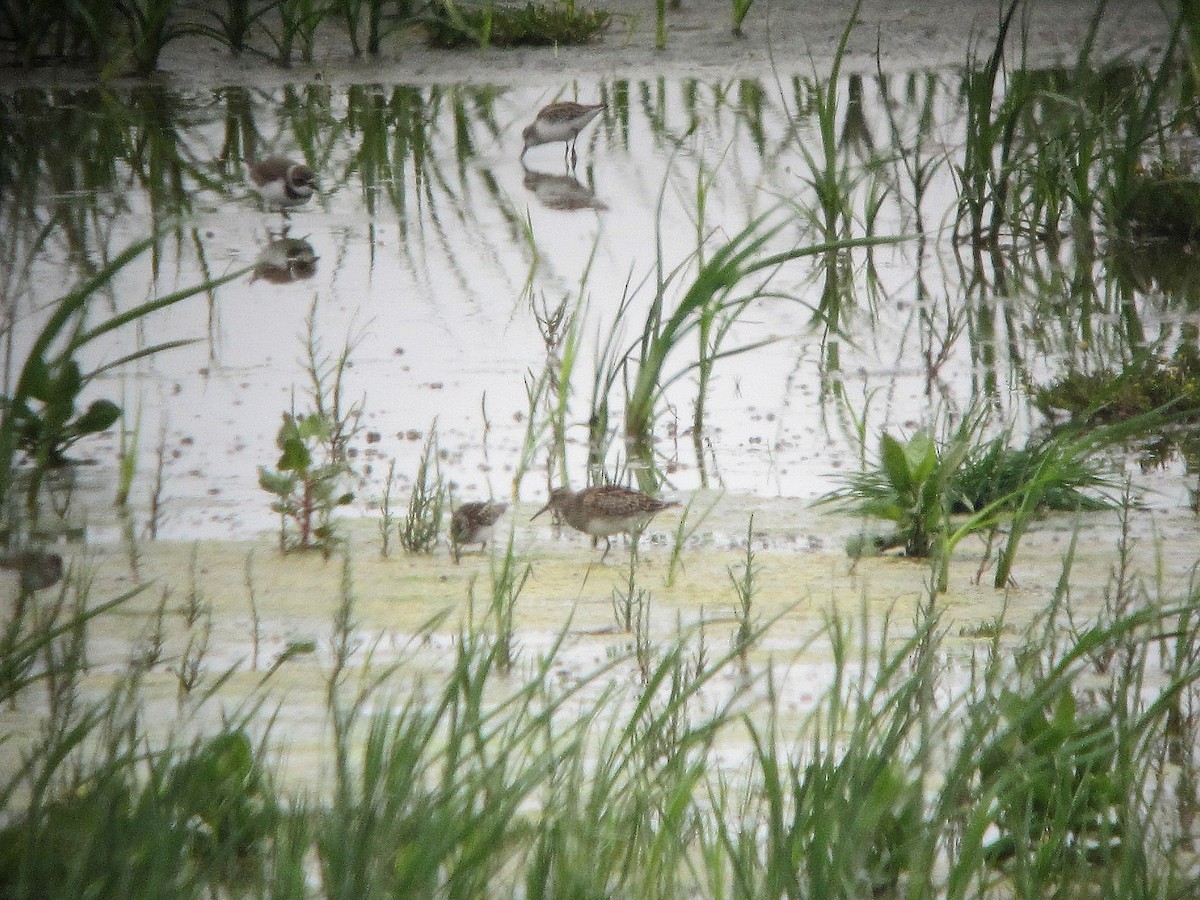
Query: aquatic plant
1147, 383
149, 26
989, 136
427, 501
127, 456
508, 575
615, 780
745, 586
44, 29
308, 482
709, 294
382, 18
738, 11
1163, 202
310, 479
387, 514
685, 528
937, 493
235, 23
298, 21
560, 23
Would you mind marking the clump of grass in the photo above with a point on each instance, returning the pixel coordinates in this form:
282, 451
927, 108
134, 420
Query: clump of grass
745, 586
738, 11
937, 493
450, 25
711, 297
234, 23
150, 25
1163, 202
508, 574
427, 502
1146, 384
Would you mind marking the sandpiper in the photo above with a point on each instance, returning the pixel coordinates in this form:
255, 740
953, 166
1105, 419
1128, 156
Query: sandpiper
281, 182
605, 510
473, 523
560, 122
37, 569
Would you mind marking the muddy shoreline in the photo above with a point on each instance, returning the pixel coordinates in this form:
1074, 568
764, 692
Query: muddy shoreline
783, 36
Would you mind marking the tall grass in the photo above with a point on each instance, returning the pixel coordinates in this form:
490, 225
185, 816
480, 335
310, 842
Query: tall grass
1027, 770
711, 292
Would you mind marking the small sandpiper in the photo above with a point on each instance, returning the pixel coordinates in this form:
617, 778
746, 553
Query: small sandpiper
37, 569
280, 182
605, 510
473, 523
560, 122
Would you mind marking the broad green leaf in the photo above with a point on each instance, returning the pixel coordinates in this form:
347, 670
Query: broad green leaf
38, 385
296, 456
922, 456
98, 417
895, 464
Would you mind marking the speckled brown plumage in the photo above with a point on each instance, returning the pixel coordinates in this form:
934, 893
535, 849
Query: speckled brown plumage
605, 510
473, 523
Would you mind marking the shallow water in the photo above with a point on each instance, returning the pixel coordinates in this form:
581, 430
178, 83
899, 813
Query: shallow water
431, 249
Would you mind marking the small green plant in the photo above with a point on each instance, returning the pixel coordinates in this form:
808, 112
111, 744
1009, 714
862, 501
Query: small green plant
234, 24
738, 10
387, 515
560, 23
314, 467
47, 420
308, 482
508, 576
127, 457
427, 503
908, 489
221, 794
298, 21
685, 529
149, 26
744, 588
1053, 772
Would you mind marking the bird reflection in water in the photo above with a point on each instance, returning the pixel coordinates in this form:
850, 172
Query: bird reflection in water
285, 259
561, 192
